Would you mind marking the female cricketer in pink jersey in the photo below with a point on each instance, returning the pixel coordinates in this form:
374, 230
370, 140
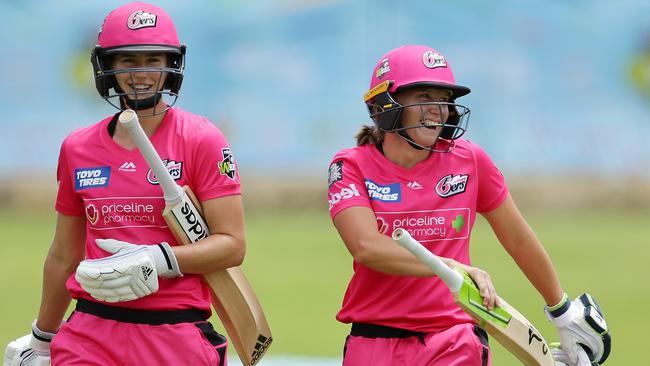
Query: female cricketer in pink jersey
411, 170
146, 304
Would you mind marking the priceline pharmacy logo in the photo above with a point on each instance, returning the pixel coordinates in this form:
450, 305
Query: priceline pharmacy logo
431, 225
117, 212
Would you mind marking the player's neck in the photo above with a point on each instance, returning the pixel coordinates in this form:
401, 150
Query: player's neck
398, 151
150, 123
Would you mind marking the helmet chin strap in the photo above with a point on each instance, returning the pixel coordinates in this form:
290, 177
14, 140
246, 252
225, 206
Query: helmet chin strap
403, 133
137, 104
140, 104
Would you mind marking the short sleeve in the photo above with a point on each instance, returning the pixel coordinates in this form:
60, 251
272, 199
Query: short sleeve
346, 185
215, 171
68, 202
492, 187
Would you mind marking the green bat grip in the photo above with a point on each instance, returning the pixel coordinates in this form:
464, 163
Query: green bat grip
461, 285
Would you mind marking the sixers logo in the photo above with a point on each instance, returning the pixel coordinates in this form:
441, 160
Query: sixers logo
451, 185
141, 19
92, 214
432, 60
175, 170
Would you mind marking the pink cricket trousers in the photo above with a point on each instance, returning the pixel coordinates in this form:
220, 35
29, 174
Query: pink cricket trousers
460, 345
87, 339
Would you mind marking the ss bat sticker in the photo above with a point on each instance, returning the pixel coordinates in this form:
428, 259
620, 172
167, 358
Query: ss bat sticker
190, 220
227, 166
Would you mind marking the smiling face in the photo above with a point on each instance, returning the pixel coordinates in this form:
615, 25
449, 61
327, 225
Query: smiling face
425, 110
139, 85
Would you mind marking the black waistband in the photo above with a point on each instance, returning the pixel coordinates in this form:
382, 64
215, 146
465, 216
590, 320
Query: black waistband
381, 331
135, 316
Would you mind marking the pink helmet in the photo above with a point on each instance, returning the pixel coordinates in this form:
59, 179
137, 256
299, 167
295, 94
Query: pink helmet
137, 27
406, 67
415, 65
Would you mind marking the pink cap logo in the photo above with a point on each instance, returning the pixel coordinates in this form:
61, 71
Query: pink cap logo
433, 59
141, 19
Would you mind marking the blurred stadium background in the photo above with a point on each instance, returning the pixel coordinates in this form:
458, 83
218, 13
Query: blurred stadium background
560, 99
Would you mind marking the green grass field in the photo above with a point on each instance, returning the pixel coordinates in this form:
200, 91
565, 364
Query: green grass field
299, 269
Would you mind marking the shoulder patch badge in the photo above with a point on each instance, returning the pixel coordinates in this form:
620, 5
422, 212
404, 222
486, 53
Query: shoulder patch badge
227, 166
335, 173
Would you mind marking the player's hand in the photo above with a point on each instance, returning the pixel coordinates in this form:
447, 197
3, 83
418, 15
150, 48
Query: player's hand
484, 284
581, 326
29, 350
130, 273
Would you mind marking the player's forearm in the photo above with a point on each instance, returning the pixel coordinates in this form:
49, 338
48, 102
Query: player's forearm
382, 254
214, 253
535, 263
54, 298
520, 241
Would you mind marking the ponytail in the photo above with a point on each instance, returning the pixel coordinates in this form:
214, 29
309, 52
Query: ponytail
369, 135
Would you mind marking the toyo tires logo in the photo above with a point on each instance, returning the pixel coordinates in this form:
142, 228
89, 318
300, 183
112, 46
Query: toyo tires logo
451, 185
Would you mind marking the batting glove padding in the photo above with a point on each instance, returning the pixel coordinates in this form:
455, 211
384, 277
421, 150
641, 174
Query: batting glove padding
581, 324
29, 350
130, 273
562, 359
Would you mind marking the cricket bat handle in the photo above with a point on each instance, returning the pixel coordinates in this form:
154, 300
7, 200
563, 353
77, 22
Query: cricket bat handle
452, 279
172, 192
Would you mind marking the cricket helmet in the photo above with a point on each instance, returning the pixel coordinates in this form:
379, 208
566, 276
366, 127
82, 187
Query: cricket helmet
132, 28
414, 66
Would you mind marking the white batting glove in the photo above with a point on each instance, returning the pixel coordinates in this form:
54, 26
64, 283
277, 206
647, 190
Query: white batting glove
29, 350
581, 326
130, 273
562, 359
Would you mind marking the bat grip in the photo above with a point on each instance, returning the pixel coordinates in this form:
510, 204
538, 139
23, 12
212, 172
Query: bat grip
171, 191
452, 279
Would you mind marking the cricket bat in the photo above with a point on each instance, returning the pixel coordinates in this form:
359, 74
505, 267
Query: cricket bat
232, 296
504, 323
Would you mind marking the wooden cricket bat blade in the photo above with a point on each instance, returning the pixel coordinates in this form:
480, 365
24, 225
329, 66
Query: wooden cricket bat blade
240, 313
520, 338
233, 298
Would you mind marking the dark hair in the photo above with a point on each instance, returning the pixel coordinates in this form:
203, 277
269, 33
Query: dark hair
370, 135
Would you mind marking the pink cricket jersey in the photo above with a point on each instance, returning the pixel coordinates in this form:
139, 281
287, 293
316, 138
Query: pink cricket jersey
436, 201
120, 197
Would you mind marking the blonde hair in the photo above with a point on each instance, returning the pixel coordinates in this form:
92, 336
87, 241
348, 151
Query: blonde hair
370, 135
